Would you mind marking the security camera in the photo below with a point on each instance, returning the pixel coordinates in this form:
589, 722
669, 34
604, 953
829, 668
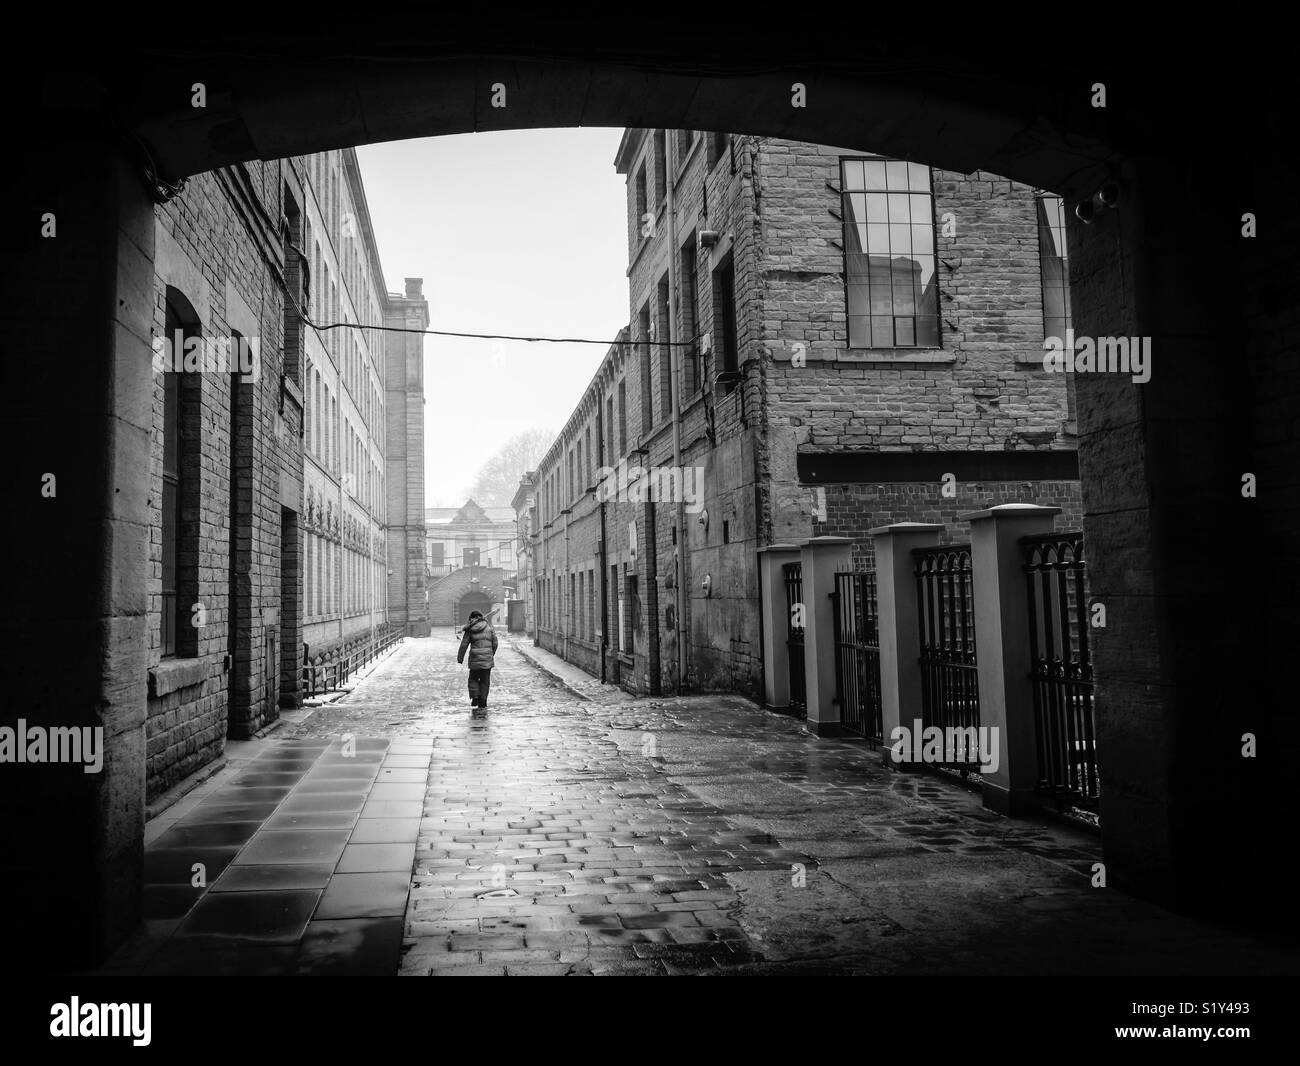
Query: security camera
1108, 194
1085, 210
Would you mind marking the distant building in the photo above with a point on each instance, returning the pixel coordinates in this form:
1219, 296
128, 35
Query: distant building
470, 560
524, 503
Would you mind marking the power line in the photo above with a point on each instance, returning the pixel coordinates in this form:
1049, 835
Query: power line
319, 327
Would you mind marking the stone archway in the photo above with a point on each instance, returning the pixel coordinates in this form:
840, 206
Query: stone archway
1154, 463
472, 601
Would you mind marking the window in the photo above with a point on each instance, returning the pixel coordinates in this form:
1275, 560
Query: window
631, 610
643, 216
690, 317
587, 472
622, 418
647, 394
570, 621
591, 604
719, 146
663, 337
889, 255
685, 138
469, 557
724, 319
436, 550
580, 626
609, 430
1054, 267
616, 623
661, 167
295, 280
180, 465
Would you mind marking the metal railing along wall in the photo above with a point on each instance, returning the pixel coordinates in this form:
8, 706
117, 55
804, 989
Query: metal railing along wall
857, 654
1061, 668
794, 613
949, 678
329, 671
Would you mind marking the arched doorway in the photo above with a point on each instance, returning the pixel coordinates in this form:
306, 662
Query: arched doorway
472, 601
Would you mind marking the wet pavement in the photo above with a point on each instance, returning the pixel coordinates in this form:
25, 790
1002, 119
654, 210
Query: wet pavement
393, 831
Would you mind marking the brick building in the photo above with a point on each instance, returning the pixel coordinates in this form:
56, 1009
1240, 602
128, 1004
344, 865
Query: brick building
820, 342
269, 479
524, 504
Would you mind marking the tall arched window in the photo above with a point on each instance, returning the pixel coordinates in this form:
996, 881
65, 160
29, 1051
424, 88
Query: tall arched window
182, 424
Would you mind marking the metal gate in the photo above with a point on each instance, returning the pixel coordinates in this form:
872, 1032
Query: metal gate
857, 654
794, 614
1061, 667
950, 698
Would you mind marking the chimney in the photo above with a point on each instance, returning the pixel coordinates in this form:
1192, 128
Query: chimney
414, 288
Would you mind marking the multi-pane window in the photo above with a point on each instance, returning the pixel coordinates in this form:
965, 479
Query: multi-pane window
664, 335
1054, 267
643, 343
622, 418
642, 206
685, 138
724, 317
661, 167
690, 317
889, 254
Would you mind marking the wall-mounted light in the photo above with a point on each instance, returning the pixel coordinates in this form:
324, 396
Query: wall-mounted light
704, 519
708, 237
1085, 210
1108, 194
707, 585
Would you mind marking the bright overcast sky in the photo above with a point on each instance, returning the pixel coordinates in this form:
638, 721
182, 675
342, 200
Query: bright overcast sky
522, 232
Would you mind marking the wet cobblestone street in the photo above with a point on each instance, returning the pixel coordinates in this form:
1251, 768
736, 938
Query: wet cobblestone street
702, 834
393, 831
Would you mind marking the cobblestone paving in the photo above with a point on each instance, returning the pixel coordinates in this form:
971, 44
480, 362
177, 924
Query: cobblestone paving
703, 835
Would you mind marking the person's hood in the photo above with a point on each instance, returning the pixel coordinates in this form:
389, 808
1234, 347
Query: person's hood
477, 626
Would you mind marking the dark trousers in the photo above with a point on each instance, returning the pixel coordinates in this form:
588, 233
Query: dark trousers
479, 683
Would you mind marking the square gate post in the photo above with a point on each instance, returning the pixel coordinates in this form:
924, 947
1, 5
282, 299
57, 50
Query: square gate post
776, 656
1002, 648
822, 557
900, 642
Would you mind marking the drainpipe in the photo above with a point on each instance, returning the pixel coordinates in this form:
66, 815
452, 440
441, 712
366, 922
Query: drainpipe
679, 560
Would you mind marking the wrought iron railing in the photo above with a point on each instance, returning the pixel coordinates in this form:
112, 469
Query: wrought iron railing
329, 671
857, 654
1061, 668
794, 613
950, 697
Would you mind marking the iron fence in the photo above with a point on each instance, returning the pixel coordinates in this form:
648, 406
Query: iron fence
1061, 668
949, 677
857, 654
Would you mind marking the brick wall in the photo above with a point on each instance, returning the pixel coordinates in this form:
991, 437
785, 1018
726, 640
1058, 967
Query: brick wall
225, 677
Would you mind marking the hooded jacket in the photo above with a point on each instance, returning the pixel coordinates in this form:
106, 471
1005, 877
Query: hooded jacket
481, 639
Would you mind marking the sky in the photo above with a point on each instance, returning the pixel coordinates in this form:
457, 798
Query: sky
520, 232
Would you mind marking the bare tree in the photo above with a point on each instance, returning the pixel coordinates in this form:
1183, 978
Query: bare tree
497, 479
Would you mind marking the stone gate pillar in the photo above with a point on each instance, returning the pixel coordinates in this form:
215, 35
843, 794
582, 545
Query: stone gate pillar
822, 558
1002, 648
776, 656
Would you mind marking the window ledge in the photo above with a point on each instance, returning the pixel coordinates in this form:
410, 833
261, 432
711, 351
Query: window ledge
891, 355
173, 674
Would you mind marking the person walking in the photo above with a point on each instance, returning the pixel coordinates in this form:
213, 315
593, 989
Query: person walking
481, 641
